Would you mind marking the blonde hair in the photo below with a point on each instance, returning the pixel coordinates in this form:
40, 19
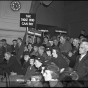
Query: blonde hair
42, 47
8, 53
76, 40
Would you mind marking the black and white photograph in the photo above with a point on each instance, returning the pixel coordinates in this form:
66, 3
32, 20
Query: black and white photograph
43, 43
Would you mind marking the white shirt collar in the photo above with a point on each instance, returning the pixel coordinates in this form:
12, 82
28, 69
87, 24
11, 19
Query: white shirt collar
81, 57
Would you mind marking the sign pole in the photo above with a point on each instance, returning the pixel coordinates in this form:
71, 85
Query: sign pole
34, 38
43, 34
27, 36
34, 33
27, 30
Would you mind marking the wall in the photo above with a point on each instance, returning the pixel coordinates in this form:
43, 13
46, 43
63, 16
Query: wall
10, 20
76, 17
51, 15
72, 16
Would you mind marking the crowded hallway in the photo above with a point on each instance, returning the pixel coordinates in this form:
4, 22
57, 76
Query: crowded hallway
45, 58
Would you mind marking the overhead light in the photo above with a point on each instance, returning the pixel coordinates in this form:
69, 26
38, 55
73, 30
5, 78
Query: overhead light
46, 3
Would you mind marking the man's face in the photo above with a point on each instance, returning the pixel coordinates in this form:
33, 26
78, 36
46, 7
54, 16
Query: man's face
29, 46
55, 42
14, 42
35, 48
30, 40
82, 49
37, 63
41, 51
45, 40
62, 39
18, 41
7, 57
54, 53
25, 48
51, 42
26, 57
31, 61
48, 53
74, 42
3, 43
47, 75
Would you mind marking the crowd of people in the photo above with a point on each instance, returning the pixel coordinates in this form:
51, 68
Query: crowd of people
59, 61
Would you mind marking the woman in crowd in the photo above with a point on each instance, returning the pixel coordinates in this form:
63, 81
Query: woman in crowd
51, 74
30, 48
48, 55
58, 59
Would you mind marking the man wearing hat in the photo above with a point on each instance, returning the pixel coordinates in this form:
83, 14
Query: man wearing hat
12, 65
48, 54
38, 63
43, 55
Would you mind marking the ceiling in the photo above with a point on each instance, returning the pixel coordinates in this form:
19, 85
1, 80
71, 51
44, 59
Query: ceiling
67, 3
